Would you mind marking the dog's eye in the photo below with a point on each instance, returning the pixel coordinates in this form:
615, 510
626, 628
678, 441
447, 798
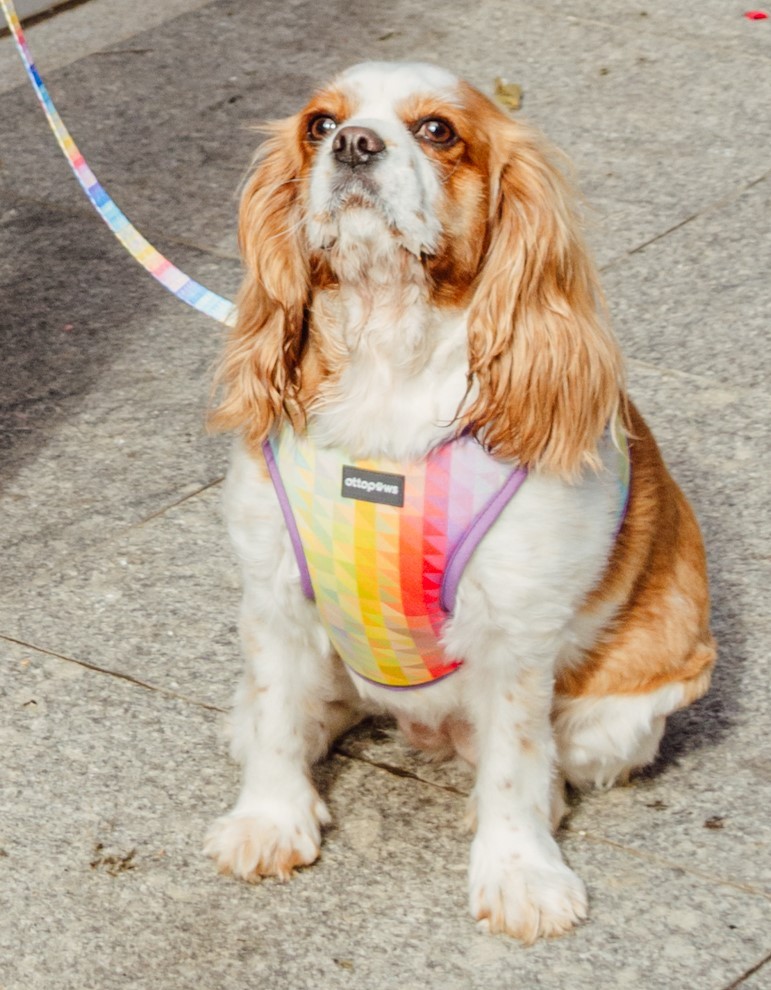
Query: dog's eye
434, 130
321, 126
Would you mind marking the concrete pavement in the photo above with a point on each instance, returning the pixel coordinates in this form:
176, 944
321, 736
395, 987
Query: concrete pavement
118, 652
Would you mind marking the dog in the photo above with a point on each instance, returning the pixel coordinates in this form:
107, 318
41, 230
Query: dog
419, 313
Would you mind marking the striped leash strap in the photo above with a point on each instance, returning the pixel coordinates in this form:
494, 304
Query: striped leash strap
181, 285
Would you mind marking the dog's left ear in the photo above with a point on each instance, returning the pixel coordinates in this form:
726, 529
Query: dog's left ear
260, 370
545, 370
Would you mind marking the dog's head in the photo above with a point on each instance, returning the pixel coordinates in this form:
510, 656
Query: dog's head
402, 174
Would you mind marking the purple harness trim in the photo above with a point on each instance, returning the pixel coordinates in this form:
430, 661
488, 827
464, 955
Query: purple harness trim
291, 525
471, 538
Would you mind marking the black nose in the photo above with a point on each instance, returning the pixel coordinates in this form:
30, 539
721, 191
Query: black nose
354, 146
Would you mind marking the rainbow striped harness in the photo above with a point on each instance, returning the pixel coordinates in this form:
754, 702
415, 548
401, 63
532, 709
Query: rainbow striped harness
381, 546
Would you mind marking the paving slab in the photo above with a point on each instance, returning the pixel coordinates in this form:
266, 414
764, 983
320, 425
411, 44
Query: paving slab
717, 263
86, 30
657, 128
108, 788
156, 602
106, 381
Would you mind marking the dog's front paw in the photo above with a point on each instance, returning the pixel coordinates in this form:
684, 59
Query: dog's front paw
268, 839
524, 899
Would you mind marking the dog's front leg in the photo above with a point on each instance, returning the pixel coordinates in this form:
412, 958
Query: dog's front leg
519, 883
294, 699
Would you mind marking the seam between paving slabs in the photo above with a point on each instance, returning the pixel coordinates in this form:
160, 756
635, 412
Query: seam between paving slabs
712, 207
745, 888
411, 775
749, 972
705, 381
581, 834
117, 534
177, 502
128, 678
44, 15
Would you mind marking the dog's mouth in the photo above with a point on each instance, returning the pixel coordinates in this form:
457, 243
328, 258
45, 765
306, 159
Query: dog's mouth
357, 218
351, 198
352, 192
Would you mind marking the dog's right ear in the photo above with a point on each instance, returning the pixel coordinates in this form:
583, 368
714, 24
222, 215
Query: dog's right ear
259, 371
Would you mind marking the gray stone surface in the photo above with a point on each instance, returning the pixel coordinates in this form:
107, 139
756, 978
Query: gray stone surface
717, 334
149, 602
715, 26
88, 30
118, 593
28, 8
109, 788
758, 979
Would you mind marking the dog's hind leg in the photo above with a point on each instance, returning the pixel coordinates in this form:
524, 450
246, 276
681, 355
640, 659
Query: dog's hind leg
601, 740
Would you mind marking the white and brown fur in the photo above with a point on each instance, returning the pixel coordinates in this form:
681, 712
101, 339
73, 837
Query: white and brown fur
444, 286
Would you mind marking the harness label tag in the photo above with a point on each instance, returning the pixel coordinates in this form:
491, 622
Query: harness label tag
372, 486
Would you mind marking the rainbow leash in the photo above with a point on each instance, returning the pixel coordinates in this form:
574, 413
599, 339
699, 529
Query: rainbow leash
181, 285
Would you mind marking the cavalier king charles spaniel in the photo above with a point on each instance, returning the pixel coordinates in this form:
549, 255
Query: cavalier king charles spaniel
419, 308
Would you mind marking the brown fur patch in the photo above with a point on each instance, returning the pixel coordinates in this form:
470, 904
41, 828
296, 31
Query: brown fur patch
464, 207
658, 574
259, 371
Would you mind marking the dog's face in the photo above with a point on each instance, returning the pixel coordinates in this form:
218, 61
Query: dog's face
403, 176
397, 160
372, 149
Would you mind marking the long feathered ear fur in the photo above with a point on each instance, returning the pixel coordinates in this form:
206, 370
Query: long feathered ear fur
545, 369
259, 372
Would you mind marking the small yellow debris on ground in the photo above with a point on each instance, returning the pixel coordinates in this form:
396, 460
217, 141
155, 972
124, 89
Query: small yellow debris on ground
508, 94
